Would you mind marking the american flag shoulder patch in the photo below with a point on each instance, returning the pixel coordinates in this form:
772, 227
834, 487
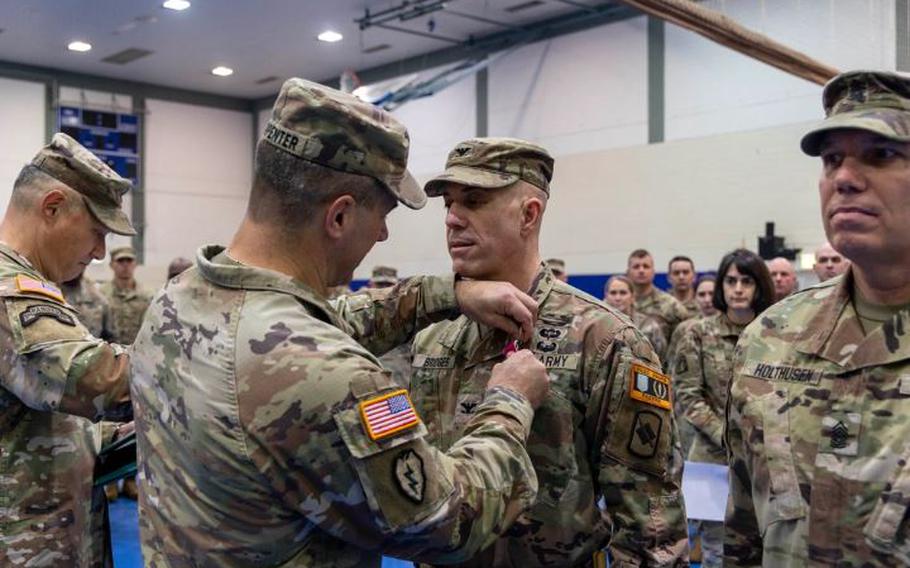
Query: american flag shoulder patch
388, 414
34, 286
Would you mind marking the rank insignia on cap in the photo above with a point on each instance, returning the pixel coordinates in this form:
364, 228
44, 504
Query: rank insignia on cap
650, 387
33, 286
388, 414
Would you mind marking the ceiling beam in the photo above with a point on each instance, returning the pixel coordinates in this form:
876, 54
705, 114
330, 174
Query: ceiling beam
593, 16
50, 76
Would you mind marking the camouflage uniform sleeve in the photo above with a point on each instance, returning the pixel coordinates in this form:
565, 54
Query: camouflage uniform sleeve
381, 319
689, 384
395, 493
640, 464
51, 362
742, 537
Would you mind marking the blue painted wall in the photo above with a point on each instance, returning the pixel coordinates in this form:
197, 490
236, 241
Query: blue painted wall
591, 283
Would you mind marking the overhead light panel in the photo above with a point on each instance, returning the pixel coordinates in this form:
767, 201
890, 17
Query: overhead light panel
222, 71
330, 36
176, 5
80, 46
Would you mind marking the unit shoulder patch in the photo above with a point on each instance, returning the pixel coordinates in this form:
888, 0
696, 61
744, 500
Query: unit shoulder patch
645, 434
648, 386
410, 475
388, 414
33, 313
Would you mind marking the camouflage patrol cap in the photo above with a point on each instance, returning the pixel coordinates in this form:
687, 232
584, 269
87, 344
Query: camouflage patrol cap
492, 163
557, 265
875, 101
339, 131
384, 275
71, 164
123, 252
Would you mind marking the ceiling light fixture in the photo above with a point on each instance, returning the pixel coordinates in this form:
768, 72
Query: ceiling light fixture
176, 5
330, 36
222, 71
79, 46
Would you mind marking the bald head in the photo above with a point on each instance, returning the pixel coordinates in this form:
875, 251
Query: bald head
829, 263
783, 274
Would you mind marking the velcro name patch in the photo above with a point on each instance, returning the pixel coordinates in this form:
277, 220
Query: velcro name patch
386, 415
780, 372
32, 286
422, 361
32, 314
650, 387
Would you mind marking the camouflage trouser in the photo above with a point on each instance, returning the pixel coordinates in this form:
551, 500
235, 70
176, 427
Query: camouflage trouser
712, 542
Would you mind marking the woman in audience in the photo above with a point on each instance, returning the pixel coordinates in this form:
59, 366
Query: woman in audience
704, 295
702, 368
619, 293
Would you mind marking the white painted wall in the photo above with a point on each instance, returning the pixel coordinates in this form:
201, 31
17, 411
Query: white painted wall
197, 175
711, 89
22, 133
701, 197
577, 93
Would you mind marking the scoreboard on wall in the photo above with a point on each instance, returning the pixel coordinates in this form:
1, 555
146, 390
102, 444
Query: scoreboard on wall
111, 136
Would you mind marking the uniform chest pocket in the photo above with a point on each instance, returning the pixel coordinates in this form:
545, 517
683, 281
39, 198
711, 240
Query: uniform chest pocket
785, 501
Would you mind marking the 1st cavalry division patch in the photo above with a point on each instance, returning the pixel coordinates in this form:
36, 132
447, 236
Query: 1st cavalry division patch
650, 387
388, 414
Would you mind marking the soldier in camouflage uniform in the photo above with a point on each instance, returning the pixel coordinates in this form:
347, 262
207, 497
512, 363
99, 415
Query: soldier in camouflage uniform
398, 360
651, 301
85, 295
704, 366
681, 274
128, 300
604, 444
558, 267
818, 435
55, 376
620, 293
268, 434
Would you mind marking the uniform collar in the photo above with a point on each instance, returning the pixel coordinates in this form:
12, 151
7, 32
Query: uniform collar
228, 273
490, 342
835, 333
19, 259
725, 327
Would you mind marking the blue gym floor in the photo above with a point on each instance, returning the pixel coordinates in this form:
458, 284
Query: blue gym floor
125, 537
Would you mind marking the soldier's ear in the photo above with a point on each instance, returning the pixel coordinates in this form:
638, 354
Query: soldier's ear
339, 216
53, 203
531, 213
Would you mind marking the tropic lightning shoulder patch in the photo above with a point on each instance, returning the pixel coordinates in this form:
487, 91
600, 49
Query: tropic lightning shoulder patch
388, 414
650, 387
31, 314
410, 475
25, 284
